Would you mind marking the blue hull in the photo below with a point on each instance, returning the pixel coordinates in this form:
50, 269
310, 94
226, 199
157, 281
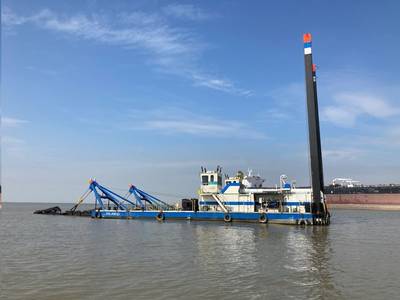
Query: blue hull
286, 218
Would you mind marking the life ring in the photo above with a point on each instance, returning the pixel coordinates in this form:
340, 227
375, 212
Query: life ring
227, 218
263, 218
160, 216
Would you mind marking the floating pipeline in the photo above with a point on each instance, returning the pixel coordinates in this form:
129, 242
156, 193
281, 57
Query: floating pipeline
56, 210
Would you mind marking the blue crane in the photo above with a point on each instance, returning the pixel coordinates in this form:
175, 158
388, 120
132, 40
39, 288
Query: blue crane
143, 198
103, 197
102, 193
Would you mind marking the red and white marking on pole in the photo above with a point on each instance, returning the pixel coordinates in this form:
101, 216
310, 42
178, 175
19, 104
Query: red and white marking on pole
307, 43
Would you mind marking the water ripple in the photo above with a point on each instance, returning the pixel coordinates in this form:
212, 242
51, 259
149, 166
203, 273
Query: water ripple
50, 257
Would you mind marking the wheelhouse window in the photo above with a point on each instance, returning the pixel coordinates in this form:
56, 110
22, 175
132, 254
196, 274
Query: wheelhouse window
204, 180
212, 178
219, 180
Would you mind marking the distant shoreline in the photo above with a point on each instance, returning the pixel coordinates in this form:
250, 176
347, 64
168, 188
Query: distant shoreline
386, 207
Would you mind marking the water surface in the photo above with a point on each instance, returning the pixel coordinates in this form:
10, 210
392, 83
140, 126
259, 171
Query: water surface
57, 257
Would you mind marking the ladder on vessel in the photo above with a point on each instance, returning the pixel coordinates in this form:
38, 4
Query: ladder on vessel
223, 207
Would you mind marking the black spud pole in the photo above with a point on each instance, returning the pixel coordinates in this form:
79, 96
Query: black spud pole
317, 177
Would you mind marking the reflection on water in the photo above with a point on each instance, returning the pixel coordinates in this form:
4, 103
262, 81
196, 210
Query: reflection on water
309, 258
47, 257
225, 245
305, 258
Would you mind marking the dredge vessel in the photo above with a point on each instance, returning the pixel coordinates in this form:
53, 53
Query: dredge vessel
228, 199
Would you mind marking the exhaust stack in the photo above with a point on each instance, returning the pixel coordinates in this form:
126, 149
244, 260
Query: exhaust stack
313, 130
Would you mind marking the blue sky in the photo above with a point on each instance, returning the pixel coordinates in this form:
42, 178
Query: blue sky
146, 92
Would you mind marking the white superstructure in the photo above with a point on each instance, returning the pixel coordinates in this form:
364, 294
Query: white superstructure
246, 194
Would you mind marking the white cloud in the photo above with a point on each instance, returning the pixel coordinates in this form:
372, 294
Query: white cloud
176, 121
8, 18
173, 50
341, 154
148, 32
12, 122
289, 98
339, 116
369, 104
359, 98
44, 71
289, 94
187, 126
393, 136
13, 147
219, 84
186, 12
288, 102
350, 106
12, 141
274, 114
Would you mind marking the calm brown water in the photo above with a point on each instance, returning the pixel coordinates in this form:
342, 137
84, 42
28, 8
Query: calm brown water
55, 257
